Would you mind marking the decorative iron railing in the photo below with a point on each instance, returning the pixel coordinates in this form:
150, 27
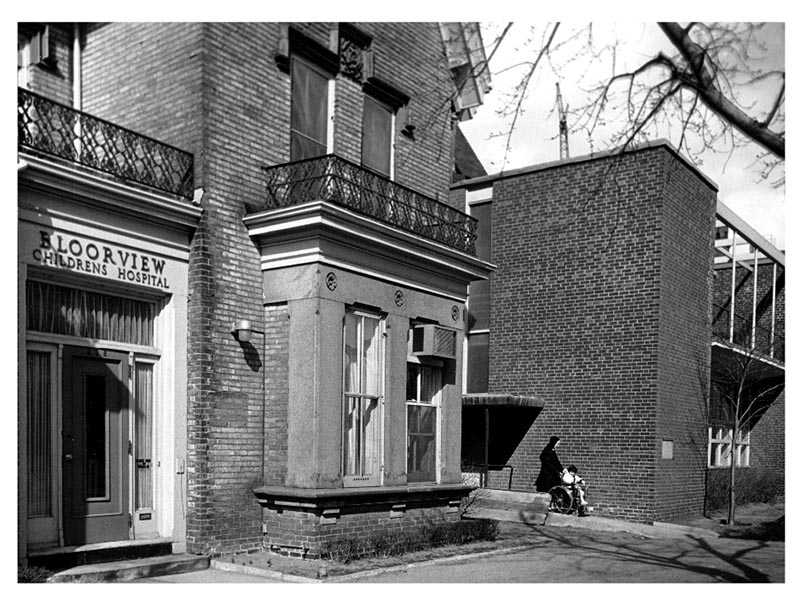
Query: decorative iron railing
51, 128
766, 342
331, 178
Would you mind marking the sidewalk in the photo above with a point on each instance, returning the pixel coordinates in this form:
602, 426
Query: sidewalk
695, 538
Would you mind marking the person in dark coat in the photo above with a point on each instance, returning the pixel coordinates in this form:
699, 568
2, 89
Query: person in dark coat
550, 474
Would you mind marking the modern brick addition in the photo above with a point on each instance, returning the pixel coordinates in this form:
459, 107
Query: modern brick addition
600, 307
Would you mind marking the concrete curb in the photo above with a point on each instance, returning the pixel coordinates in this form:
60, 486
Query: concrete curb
278, 576
262, 572
653, 531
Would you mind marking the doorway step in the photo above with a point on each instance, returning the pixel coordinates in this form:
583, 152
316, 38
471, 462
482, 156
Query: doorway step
509, 506
115, 561
128, 570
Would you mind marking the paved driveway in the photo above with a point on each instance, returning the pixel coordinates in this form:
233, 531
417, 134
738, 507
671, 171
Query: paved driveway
597, 557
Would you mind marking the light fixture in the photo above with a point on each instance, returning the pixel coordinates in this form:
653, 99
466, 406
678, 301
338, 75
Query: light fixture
243, 330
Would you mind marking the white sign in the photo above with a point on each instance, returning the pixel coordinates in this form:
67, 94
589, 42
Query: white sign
84, 256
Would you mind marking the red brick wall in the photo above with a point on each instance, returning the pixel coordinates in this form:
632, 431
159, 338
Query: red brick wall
581, 305
214, 89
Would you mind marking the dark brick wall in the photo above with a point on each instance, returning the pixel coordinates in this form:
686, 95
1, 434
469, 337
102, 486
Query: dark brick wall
688, 211
214, 89
767, 439
583, 301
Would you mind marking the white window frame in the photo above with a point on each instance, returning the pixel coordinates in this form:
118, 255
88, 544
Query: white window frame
719, 447
361, 479
436, 405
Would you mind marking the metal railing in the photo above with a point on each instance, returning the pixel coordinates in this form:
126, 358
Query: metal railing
767, 343
50, 128
336, 180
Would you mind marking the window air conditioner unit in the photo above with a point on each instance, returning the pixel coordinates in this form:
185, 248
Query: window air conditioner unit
433, 341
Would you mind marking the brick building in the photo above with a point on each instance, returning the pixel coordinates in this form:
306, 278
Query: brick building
243, 295
606, 323
242, 290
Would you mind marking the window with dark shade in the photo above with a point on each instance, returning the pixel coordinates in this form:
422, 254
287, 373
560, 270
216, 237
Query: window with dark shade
376, 137
309, 113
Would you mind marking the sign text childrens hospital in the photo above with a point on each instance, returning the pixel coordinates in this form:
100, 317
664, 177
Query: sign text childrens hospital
78, 255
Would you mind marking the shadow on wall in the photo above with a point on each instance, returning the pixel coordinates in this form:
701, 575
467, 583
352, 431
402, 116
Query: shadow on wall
507, 426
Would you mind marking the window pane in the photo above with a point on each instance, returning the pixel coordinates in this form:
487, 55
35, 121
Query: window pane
376, 136
412, 377
351, 435
371, 437
421, 443
371, 359
430, 382
309, 111
96, 426
351, 374
39, 425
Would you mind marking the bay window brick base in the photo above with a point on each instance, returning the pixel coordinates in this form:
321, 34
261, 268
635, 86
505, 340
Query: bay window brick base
301, 522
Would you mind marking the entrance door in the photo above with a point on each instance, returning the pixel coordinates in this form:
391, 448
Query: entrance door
95, 446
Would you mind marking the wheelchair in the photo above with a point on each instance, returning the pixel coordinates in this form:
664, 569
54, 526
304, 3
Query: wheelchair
564, 499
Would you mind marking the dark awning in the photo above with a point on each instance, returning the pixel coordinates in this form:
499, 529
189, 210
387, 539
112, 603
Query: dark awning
501, 400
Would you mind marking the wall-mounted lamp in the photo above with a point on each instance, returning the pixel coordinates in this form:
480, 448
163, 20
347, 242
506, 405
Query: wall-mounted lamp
243, 331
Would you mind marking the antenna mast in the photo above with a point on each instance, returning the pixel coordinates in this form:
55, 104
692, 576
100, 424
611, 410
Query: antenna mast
563, 142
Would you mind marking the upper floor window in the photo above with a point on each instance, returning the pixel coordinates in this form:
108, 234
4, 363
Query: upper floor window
377, 136
309, 112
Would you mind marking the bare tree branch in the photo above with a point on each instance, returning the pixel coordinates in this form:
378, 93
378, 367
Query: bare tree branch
700, 77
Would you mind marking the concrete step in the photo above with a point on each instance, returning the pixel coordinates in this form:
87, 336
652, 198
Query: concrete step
127, 570
60, 558
510, 506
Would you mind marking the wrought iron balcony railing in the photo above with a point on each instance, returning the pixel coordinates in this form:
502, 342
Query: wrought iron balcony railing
331, 178
762, 341
54, 129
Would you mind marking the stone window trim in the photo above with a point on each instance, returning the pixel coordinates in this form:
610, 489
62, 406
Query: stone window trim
291, 41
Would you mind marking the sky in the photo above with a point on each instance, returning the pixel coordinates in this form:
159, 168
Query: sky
535, 138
